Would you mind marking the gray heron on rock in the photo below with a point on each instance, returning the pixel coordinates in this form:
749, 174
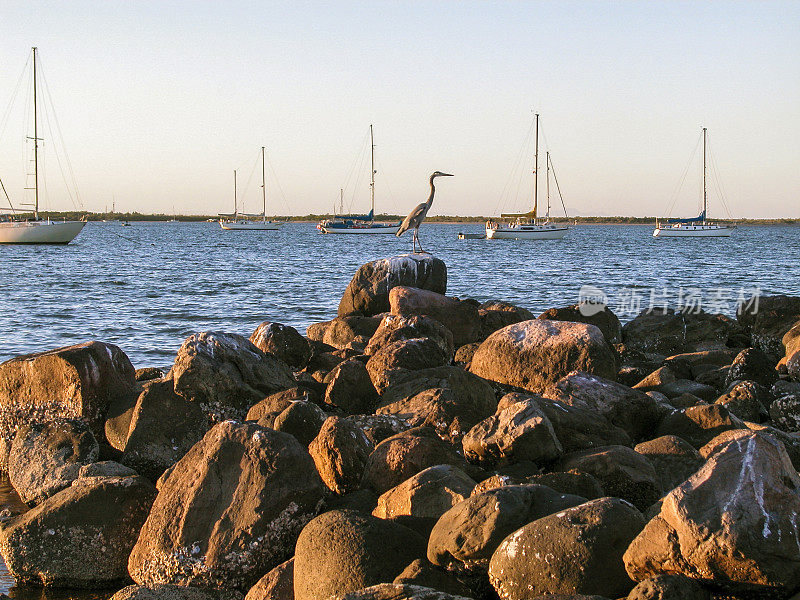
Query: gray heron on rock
416, 216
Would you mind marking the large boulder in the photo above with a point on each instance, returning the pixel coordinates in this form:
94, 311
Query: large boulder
47, 457
226, 374
621, 471
80, 537
733, 522
629, 409
600, 316
460, 317
395, 327
532, 355
576, 551
666, 332
350, 388
519, 432
368, 291
163, 427
344, 551
394, 361
496, 314
470, 532
769, 318
402, 456
340, 452
283, 342
75, 382
428, 494
748, 400
229, 511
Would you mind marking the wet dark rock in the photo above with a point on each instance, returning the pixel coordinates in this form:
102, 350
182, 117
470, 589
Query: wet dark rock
464, 354
576, 483
226, 374
301, 419
768, 323
734, 521
679, 387
345, 551
350, 389
148, 373
396, 327
368, 291
578, 550
340, 452
470, 532
75, 382
753, 365
460, 317
230, 510
283, 342
674, 460
47, 457
496, 314
164, 426
785, 412
669, 333
532, 355
621, 471
601, 317
80, 537
748, 400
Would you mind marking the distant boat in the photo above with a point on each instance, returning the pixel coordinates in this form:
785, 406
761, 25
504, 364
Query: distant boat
698, 226
17, 230
528, 226
360, 224
241, 221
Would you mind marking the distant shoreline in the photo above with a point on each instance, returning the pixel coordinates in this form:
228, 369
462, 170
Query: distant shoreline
454, 220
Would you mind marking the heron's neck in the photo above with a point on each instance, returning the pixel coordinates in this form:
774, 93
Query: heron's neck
433, 191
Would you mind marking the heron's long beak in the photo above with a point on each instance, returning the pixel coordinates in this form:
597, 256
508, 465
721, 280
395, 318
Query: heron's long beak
446, 174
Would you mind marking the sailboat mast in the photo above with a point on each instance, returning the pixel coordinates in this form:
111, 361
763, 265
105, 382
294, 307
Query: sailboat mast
341, 201
705, 191
35, 144
235, 211
547, 160
536, 170
263, 186
372, 170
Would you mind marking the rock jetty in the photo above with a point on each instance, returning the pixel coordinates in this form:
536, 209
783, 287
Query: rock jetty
420, 447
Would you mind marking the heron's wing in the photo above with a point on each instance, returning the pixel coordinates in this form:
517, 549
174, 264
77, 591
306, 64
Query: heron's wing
413, 219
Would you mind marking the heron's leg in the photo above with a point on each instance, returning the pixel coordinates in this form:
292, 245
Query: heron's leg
414, 242
421, 251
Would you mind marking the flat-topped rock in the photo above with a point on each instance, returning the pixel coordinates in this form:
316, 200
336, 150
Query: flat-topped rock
368, 291
535, 354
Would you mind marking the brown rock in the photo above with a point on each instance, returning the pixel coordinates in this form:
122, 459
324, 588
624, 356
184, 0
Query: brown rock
278, 584
673, 459
535, 354
734, 521
75, 382
283, 342
368, 291
394, 361
343, 331
395, 327
397, 591
668, 332
699, 424
229, 511
350, 388
275, 404
753, 365
461, 318
344, 551
768, 319
428, 494
576, 483
748, 400
340, 452
496, 314
422, 573
301, 419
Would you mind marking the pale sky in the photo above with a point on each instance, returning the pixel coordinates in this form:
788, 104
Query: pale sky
158, 102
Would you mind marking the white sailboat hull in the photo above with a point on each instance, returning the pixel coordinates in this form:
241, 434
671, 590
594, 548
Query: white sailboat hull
39, 232
251, 225
527, 232
389, 229
694, 231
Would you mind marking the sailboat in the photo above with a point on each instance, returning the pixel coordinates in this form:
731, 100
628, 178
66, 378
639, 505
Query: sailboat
528, 226
360, 224
14, 229
698, 226
241, 221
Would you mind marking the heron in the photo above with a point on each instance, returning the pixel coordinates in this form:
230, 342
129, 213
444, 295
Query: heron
416, 216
